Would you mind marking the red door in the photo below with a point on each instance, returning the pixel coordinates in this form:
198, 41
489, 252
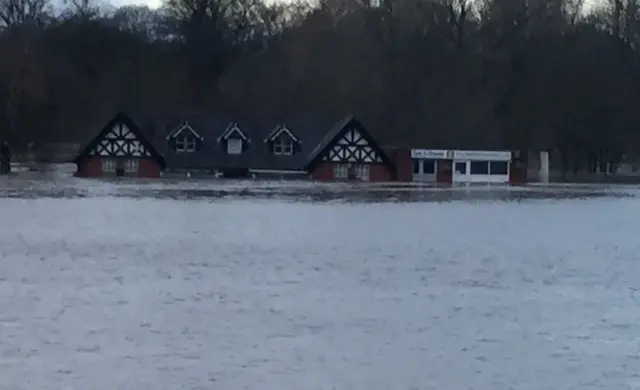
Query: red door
518, 168
517, 172
444, 173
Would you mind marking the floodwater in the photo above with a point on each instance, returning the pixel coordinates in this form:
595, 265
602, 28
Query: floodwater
120, 285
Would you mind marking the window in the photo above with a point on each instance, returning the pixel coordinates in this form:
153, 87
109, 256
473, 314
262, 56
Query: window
234, 146
351, 171
428, 167
283, 145
361, 171
131, 166
479, 167
498, 168
340, 171
461, 168
185, 144
108, 165
424, 167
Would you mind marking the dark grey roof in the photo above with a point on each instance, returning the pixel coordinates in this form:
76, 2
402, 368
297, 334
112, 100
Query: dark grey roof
329, 136
310, 130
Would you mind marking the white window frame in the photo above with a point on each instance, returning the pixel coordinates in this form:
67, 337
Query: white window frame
340, 171
185, 144
362, 171
283, 146
108, 165
234, 146
131, 165
466, 167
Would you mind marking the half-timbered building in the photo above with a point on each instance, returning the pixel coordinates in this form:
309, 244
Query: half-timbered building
249, 146
120, 149
348, 152
220, 145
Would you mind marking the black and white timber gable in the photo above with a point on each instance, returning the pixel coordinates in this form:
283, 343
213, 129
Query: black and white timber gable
184, 138
349, 142
353, 147
120, 138
120, 141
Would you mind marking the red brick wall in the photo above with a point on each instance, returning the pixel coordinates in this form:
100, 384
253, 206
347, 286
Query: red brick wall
92, 167
377, 172
401, 157
517, 172
148, 167
322, 172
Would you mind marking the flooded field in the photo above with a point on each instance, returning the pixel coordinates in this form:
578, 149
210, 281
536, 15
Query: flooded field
244, 285
38, 185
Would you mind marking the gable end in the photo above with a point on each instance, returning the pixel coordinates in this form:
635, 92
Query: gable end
232, 129
184, 127
120, 138
279, 130
348, 142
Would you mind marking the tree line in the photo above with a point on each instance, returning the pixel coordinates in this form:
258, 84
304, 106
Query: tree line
516, 74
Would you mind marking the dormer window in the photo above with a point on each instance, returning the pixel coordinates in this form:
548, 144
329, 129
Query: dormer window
282, 141
283, 145
234, 146
234, 138
185, 144
184, 138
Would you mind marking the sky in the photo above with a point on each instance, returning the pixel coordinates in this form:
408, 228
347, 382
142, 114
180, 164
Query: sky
156, 3
150, 3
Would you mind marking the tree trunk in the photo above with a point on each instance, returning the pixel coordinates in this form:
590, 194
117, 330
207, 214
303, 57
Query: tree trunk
5, 159
5, 151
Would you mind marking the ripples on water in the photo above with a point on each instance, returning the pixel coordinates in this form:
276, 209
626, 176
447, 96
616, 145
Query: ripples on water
302, 191
107, 285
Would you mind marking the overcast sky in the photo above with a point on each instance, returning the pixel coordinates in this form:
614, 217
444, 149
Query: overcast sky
150, 3
156, 3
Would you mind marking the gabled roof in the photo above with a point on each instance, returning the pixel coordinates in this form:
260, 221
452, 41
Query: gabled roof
121, 118
184, 126
335, 133
232, 128
309, 129
209, 126
279, 130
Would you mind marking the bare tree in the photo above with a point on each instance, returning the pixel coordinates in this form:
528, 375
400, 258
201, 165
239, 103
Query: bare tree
15, 12
138, 20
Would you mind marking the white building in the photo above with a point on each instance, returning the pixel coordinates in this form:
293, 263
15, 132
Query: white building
461, 166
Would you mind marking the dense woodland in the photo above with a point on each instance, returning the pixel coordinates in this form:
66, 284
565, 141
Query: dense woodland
432, 73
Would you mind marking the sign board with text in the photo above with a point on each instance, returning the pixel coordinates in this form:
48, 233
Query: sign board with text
433, 154
481, 155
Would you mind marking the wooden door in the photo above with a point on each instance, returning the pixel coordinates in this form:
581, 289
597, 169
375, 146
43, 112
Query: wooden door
120, 168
